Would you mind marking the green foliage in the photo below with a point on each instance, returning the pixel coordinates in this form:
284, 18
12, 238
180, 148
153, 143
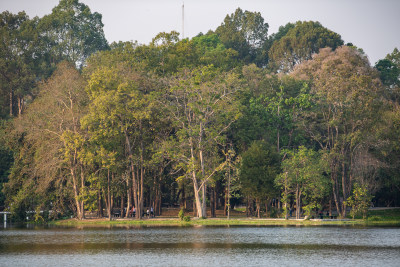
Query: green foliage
349, 102
17, 64
389, 72
359, 201
211, 51
45, 143
73, 31
246, 33
374, 218
153, 115
304, 175
274, 109
300, 43
386, 214
181, 214
259, 167
274, 213
309, 208
37, 217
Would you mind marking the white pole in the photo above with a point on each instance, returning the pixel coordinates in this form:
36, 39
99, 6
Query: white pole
183, 20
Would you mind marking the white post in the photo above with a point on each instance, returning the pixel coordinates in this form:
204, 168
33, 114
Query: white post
183, 21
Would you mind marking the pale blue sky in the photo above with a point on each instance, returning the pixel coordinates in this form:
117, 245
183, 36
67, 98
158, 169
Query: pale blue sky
372, 25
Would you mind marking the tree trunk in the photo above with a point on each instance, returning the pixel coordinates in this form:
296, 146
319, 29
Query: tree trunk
183, 195
122, 206
344, 184
99, 205
82, 190
258, 207
141, 198
203, 174
106, 200
335, 187
158, 210
203, 200
135, 190
212, 202
228, 194
247, 207
196, 190
128, 198
20, 105
226, 211
142, 169
215, 201
11, 103
286, 199
76, 194
298, 203
108, 196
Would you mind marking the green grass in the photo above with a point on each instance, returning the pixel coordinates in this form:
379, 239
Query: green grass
375, 218
389, 214
390, 217
240, 209
225, 222
384, 217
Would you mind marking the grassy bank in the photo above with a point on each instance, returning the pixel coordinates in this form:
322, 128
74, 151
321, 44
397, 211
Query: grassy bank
383, 217
376, 218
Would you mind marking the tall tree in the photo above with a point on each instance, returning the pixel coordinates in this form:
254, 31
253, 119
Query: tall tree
258, 170
303, 175
50, 140
202, 103
389, 72
72, 32
245, 32
348, 97
119, 109
17, 61
300, 43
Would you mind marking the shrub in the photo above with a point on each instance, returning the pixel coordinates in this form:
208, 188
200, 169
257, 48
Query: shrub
359, 201
186, 218
374, 218
181, 214
273, 213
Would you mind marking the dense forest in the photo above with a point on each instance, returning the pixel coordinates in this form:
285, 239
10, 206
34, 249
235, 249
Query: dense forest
292, 120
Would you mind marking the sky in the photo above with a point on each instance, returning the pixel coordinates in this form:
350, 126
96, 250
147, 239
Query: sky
372, 25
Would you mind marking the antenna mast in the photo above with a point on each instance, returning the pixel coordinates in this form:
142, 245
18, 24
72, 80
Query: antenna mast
183, 20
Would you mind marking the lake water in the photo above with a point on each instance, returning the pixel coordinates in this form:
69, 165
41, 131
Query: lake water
200, 246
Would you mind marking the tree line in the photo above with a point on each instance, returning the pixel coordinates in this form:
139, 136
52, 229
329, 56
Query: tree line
233, 116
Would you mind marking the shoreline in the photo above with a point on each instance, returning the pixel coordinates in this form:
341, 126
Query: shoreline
195, 222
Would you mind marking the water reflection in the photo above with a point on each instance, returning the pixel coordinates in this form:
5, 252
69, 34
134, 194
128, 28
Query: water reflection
189, 246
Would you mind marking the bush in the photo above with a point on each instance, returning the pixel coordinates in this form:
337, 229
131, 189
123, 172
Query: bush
186, 218
359, 201
374, 218
273, 213
181, 214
